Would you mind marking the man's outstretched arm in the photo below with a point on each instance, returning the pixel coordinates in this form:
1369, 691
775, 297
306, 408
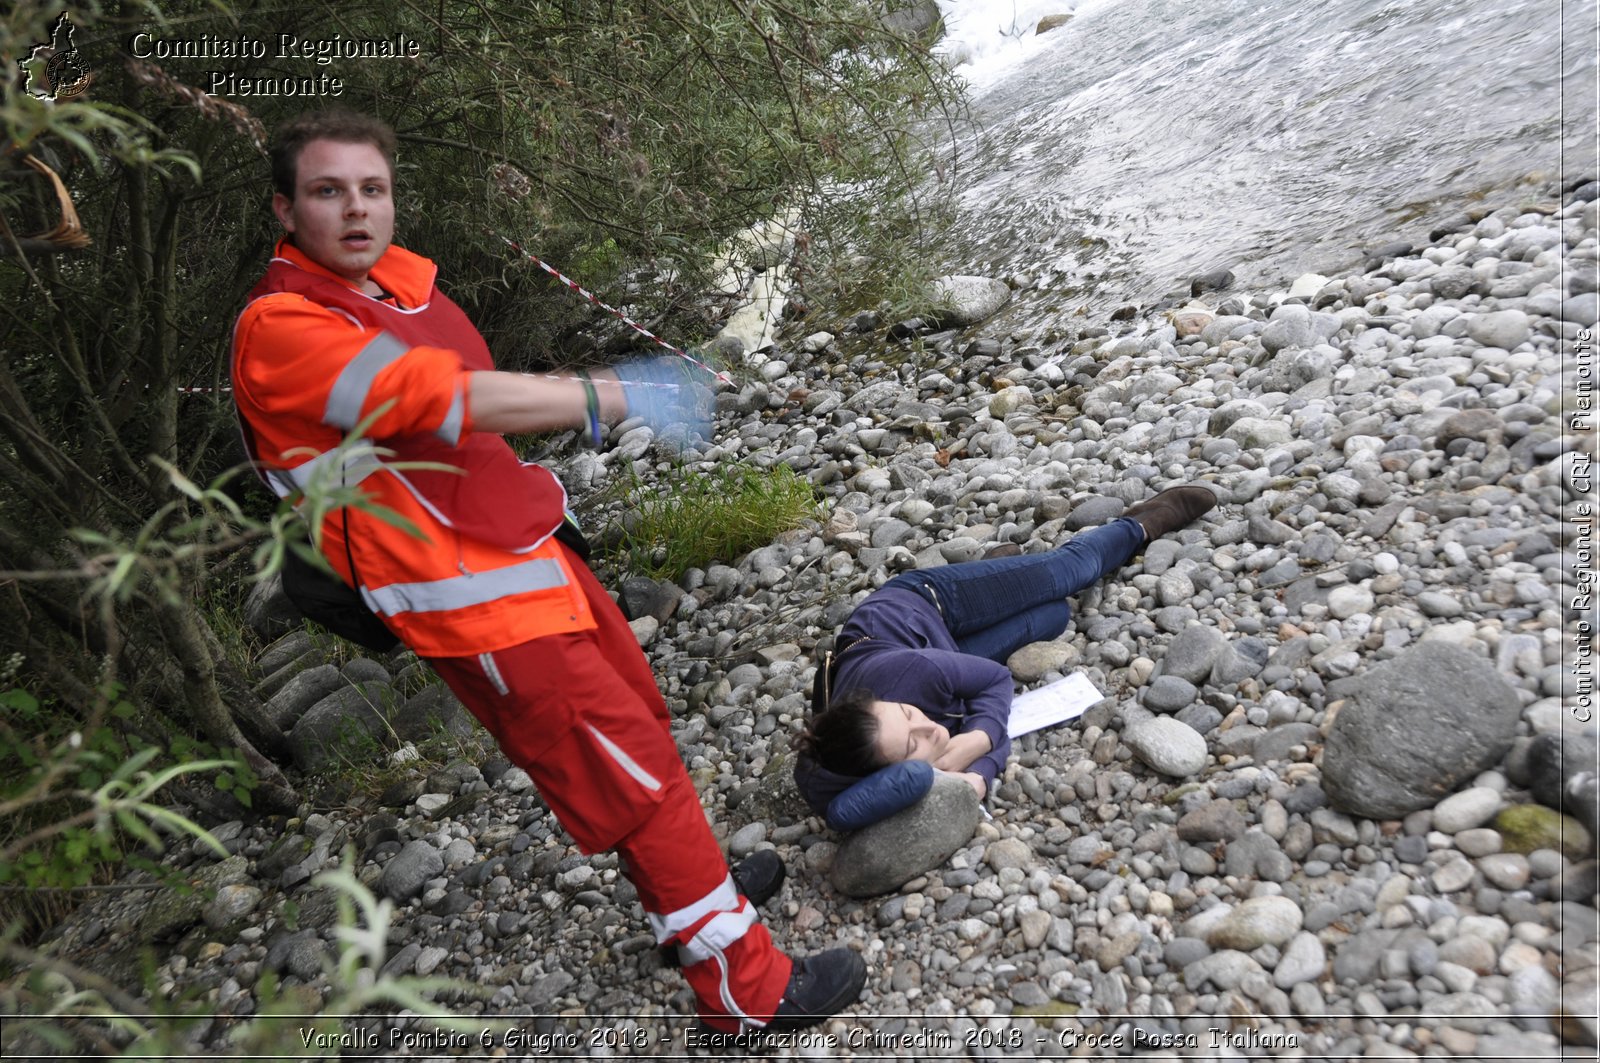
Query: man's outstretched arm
515, 402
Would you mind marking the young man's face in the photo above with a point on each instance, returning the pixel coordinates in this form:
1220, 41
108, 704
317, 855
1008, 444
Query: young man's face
342, 213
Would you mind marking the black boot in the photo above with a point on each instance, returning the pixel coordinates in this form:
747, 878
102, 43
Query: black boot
819, 987
759, 875
1174, 508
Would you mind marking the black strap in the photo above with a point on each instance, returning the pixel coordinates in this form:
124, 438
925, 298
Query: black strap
324, 598
344, 520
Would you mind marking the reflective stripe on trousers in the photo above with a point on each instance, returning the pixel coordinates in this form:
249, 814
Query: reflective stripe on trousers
714, 923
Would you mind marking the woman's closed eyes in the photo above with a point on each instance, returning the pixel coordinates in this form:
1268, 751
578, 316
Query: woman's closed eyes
906, 733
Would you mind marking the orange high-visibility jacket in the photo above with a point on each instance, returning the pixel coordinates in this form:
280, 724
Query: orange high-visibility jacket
312, 357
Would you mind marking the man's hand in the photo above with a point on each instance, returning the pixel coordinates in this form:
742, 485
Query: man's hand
666, 393
962, 751
974, 780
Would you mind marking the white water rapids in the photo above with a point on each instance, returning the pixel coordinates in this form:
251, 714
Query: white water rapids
1148, 141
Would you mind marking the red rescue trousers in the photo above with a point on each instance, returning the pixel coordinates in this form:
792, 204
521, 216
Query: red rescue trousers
581, 714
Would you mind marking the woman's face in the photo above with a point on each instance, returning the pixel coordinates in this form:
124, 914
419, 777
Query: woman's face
904, 733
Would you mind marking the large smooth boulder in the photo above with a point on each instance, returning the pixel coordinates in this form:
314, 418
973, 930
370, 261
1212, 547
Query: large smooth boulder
1214, 821
409, 870
348, 724
1193, 652
1258, 921
302, 692
432, 710
1293, 325
885, 856
1415, 728
268, 611
968, 300
1505, 329
642, 596
1292, 369
1169, 746
1258, 433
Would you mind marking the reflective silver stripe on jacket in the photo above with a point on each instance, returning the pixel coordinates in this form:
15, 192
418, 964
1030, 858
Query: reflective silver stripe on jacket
449, 429
473, 588
349, 392
281, 481
359, 463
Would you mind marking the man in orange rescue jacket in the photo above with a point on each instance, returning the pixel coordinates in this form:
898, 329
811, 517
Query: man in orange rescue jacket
345, 326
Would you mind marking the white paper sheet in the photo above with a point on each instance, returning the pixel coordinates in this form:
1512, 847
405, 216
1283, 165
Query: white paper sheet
1065, 699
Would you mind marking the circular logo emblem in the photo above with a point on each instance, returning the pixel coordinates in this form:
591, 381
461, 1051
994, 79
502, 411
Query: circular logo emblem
67, 74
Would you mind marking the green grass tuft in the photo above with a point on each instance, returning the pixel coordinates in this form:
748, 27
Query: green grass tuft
695, 518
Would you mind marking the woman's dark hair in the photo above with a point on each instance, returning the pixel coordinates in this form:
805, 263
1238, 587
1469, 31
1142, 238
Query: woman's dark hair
844, 736
336, 123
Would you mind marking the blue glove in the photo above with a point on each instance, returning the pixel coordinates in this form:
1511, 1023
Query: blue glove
669, 395
880, 795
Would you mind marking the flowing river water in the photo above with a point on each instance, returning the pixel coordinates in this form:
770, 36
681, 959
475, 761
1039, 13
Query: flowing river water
1148, 141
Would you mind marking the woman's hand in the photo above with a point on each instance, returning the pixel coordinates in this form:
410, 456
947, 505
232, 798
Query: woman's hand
975, 781
962, 751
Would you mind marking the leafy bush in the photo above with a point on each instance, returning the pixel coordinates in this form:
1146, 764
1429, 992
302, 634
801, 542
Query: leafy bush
690, 519
79, 805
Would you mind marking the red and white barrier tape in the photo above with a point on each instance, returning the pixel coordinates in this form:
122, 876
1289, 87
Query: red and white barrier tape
624, 318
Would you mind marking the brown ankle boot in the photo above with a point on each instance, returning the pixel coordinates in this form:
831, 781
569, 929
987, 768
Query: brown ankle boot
1174, 508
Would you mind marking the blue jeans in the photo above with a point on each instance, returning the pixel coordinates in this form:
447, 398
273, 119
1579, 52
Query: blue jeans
994, 608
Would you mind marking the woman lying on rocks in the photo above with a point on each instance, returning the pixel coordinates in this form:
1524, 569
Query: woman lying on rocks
918, 679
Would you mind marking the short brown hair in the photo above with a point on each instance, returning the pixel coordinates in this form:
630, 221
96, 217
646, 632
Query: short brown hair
336, 123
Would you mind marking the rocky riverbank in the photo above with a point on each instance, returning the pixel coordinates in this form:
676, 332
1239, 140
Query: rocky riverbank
1318, 814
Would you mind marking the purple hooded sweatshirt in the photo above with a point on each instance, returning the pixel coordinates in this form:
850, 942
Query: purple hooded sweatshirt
898, 647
